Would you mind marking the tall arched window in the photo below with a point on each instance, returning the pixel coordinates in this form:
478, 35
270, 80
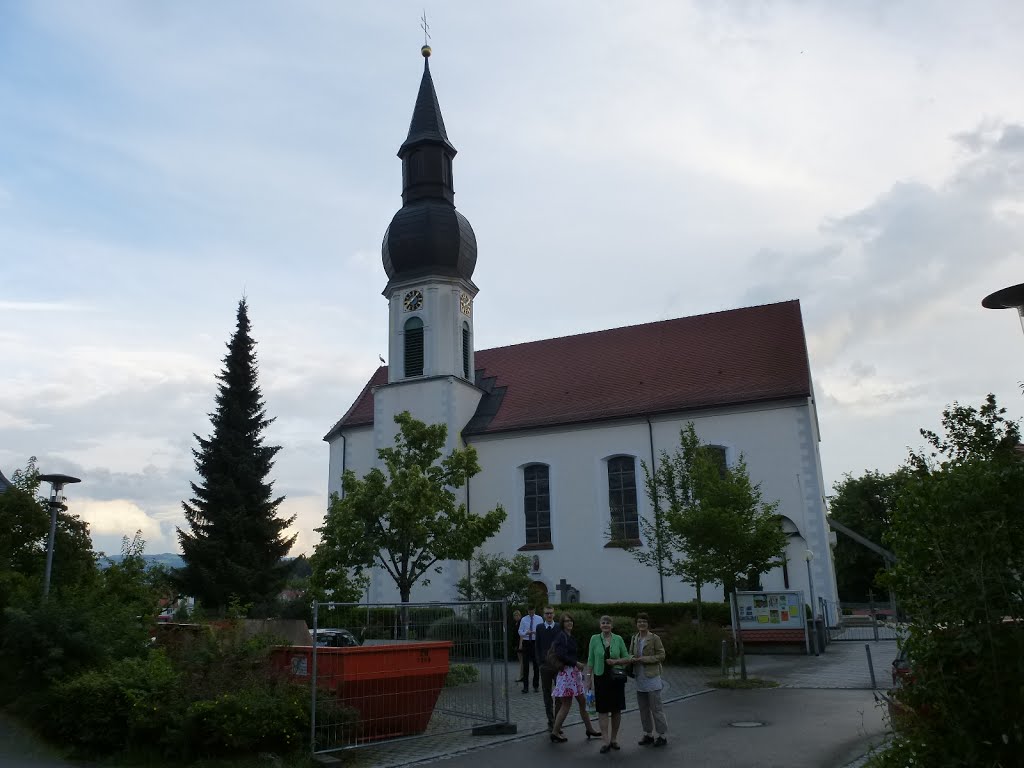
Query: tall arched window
413, 347
625, 523
465, 350
717, 454
537, 504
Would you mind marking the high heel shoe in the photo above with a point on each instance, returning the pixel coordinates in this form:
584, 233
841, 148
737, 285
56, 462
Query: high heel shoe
593, 735
606, 749
556, 739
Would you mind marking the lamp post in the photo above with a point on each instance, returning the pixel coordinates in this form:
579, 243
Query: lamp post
57, 483
1007, 298
808, 556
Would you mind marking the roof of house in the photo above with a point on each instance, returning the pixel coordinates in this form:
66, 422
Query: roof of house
4, 483
747, 355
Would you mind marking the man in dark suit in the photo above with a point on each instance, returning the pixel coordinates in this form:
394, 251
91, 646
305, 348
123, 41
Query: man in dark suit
546, 633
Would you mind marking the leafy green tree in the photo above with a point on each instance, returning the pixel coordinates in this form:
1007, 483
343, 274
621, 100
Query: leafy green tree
864, 504
710, 523
674, 544
958, 533
404, 519
496, 577
23, 539
742, 534
236, 541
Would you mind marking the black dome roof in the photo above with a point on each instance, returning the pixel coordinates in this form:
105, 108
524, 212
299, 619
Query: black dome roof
429, 237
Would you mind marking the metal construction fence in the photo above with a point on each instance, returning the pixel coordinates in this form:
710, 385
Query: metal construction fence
389, 671
858, 621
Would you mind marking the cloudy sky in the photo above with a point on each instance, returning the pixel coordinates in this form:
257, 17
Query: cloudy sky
158, 161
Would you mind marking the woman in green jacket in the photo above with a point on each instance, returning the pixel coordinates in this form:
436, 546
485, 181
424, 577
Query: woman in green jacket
608, 650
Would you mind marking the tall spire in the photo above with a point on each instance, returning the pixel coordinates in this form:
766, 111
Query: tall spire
427, 123
428, 236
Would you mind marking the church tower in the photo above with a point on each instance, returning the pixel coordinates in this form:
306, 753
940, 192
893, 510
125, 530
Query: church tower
429, 253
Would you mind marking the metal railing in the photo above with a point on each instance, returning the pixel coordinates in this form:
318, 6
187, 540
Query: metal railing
858, 621
392, 671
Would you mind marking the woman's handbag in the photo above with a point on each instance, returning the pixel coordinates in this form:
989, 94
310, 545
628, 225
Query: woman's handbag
552, 661
617, 673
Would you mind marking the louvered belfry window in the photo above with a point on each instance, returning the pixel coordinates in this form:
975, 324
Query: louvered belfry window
465, 349
413, 347
622, 498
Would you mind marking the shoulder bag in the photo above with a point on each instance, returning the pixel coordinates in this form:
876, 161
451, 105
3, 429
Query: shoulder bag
552, 661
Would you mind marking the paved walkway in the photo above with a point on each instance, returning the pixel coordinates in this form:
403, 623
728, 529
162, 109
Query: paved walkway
843, 666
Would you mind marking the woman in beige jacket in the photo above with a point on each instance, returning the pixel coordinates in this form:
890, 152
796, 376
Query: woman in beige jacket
648, 652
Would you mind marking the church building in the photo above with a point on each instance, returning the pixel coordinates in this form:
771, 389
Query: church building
561, 425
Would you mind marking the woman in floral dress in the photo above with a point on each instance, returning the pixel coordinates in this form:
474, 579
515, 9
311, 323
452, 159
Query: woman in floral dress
568, 683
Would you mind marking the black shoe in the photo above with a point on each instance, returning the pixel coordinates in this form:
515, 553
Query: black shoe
661, 741
646, 740
526, 690
615, 745
593, 735
555, 738
518, 680
606, 749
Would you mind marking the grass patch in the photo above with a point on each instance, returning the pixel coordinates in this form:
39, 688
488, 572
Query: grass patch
737, 684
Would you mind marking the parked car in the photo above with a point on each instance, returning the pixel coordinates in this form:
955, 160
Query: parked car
900, 668
335, 638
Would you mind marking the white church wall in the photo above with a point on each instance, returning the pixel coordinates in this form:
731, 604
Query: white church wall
778, 442
775, 441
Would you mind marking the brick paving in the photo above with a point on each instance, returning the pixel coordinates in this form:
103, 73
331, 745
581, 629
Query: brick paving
844, 665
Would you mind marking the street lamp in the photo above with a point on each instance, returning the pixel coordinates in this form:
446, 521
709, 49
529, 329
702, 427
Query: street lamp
808, 556
1008, 298
57, 483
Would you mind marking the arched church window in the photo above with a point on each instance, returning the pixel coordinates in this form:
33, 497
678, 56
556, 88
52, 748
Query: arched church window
625, 523
537, 504
717, 454
413, 347
465, 350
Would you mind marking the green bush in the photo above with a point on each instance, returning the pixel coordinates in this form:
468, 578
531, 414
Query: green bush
258, 718
461, 674
691, 644
123, 705
661, 614
469, 640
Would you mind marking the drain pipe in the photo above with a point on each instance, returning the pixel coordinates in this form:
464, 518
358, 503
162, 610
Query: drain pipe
657, 513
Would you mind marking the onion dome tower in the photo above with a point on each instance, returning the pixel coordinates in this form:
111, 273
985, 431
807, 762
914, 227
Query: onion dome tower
429, 254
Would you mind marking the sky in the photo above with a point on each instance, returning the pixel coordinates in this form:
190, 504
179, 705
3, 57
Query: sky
620, 164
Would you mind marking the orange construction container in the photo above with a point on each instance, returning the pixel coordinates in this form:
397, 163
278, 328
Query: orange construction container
394, 687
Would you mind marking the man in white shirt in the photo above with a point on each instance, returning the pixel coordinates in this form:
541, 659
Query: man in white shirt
528, 632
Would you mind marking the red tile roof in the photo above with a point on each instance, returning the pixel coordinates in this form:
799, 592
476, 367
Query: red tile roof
723, 358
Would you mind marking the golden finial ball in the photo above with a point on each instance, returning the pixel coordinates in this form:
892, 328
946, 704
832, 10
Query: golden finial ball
425, 50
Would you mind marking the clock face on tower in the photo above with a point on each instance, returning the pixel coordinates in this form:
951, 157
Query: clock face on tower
413, 300
466, 303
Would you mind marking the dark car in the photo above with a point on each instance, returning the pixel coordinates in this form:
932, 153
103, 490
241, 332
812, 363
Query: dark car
336, 638
900, 668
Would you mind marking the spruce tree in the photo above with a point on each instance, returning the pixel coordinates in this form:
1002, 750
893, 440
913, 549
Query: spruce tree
236, 544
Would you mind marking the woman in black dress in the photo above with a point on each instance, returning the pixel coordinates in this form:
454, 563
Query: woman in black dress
606, 651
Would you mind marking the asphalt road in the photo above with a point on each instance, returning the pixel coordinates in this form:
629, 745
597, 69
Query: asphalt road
824, 728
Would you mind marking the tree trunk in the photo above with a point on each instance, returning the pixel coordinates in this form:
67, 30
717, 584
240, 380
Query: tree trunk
700, 616
404, 591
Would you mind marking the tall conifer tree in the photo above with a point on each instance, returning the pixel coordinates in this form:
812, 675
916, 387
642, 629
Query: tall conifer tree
236, 541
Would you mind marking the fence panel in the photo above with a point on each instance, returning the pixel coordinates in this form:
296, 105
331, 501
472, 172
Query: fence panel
389, 671
858, 621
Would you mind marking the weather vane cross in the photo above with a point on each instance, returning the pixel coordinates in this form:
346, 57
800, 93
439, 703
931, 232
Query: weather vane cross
425, 27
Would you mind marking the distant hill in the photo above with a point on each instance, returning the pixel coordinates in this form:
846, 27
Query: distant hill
166, 559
